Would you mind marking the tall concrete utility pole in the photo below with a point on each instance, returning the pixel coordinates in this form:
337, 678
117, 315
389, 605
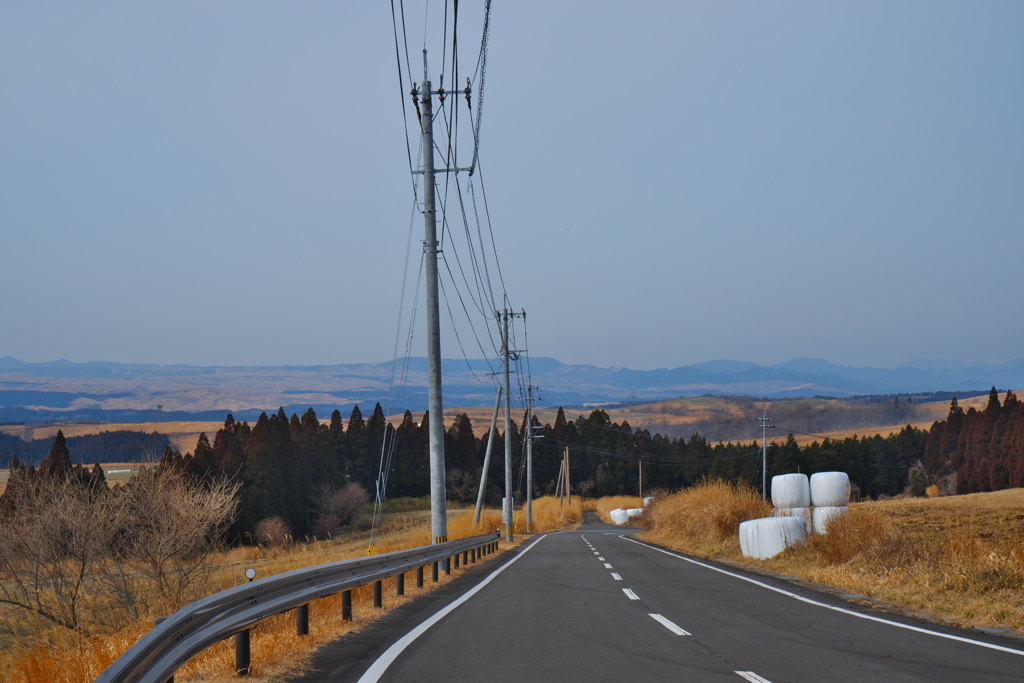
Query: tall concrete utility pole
506, 352
764, 454
529, 459
438, 511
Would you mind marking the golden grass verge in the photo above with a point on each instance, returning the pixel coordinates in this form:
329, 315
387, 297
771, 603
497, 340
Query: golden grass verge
64, 657
959, 560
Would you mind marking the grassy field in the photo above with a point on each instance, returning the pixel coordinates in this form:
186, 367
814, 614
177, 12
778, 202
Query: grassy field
957, 560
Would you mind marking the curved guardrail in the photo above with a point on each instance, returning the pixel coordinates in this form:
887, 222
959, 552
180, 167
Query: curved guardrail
157, 655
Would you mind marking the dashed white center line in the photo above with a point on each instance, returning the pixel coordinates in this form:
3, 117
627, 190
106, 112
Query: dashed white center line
751, 676
600, 558
669, 625
596, 553
607, 566
630, 594
616, 576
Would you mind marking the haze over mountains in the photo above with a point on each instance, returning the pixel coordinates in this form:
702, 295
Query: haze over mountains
63, 390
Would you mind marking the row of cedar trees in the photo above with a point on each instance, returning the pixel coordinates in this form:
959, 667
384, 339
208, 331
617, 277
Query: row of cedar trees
983, 448
281, 462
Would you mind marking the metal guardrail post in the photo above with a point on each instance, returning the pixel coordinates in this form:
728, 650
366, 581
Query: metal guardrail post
234, 611
456, 560
242, 654
378, 594
400, 584
448, 566
346, 605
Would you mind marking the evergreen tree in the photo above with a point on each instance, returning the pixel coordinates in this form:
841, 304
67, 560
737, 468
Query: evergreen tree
57, 465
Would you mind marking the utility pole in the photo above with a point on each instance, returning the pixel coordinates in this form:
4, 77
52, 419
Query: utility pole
487, 459
764, 453
508, 354
558, 482
506, 512
568, 483
438, 511
529, 459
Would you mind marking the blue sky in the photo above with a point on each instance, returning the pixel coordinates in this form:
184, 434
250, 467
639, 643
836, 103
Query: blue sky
226, 183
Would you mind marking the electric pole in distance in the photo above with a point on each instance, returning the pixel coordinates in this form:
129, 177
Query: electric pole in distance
529, 457
764, 453
508, 354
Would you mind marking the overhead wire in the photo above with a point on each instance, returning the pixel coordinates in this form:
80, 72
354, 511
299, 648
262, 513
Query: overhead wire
473, 266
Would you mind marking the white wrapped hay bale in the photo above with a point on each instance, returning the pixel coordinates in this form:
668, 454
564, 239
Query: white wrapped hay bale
634, 512
619, 516
746, 536
802, 513
823, 514
767, 537
830, 489
790, 491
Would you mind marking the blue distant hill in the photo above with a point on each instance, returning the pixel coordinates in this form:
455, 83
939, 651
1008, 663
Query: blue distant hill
116, 392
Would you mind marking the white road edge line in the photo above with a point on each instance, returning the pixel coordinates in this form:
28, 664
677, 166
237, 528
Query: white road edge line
751, 676
670, 625
616, 576
630, 594
888, 622
377, 669
607, 566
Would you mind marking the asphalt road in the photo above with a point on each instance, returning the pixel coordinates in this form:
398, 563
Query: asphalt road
595, 605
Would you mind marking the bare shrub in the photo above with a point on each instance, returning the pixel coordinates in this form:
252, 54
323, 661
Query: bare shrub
947, 485
163, 527
460, 486
50, 549
86, 558
334, 508
274, 532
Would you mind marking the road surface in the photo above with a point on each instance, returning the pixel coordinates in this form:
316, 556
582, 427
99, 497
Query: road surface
597, 605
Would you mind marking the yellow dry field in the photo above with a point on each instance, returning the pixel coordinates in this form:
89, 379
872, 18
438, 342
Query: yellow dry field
840, 434
958, 560
182, 435
663, 416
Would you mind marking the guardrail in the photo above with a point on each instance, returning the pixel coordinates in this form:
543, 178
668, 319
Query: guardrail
173, 641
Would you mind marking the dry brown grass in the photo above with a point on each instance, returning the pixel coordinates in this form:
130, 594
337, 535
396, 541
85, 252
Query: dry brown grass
548, 515
705, 518
959, 559
603, 506
64, 657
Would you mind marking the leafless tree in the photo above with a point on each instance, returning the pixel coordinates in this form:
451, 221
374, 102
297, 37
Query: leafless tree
81, 555
274, 532
334, 508
163, 527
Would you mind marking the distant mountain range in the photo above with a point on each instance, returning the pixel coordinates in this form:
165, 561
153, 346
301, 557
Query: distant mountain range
116, 392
